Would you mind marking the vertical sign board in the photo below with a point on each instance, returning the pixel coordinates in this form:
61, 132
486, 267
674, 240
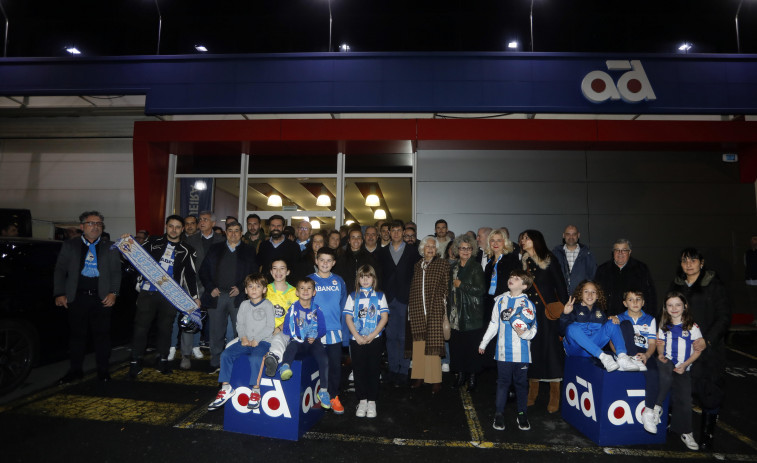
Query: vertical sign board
193, 198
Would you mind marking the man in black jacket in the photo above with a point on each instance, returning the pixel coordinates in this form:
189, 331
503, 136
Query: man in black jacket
397, 260
624, 273
353, 258
178, 259
222, 275
277, 247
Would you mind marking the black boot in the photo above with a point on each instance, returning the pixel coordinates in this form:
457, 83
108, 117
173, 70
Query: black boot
709, 421
472, 382
460, 380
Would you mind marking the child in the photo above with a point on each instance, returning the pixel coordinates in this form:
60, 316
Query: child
282, 295
586, 330
513, 320
676, 354
305, 326
367, 313
639, 331
255, 322
331, 295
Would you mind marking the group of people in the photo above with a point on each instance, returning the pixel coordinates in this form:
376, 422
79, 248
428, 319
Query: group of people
381, 290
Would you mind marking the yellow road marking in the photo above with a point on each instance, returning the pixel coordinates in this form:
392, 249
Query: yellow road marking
109, 409
732, 431
474, 425
186, 377
743, 353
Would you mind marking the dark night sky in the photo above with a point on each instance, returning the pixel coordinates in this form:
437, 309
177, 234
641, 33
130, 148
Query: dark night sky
129, 27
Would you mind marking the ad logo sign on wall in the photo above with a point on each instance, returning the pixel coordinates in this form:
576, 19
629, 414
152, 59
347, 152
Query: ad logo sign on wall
632, 87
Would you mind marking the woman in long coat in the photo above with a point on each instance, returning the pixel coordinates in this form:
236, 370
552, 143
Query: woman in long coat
428, 303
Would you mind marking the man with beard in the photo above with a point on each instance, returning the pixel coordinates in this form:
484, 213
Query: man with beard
277, 247
255, 235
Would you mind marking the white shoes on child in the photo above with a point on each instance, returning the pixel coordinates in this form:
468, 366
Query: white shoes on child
366, 409
223, 396
688, 439
650, 418
626, 363
608, 362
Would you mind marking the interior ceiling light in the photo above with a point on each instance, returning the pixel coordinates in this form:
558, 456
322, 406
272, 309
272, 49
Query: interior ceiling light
323, 200
274, 200
513, 44
200, 185
372, 200
316, 224
379, 214
349, 222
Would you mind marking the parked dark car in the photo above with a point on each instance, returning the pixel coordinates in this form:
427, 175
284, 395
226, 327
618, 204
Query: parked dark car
33, 331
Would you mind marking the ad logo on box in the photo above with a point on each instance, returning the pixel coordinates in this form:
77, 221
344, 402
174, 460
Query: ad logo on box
632, 86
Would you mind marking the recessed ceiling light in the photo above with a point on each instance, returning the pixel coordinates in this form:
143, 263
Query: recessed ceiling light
73, 50
201, 48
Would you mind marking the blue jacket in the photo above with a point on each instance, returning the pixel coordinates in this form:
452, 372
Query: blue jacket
584, 268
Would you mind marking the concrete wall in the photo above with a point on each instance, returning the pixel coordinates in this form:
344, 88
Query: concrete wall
661, 201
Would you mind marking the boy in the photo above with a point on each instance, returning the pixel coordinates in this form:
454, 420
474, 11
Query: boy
282, 295
331, 296
514, 322
639, 331
305, 326
255, 322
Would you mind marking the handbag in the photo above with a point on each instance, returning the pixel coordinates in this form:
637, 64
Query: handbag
553, 310
445, 327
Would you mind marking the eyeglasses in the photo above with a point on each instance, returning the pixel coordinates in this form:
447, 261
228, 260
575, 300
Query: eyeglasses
465, 249
304, 229
621, 251
94, 224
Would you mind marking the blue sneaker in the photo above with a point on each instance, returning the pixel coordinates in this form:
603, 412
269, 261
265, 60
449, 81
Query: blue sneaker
286, 372
323, 396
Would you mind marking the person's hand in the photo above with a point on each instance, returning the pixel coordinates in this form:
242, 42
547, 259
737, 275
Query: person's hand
660, 342
124, 236
662, 358
519, 331
234, 291
215, 292
61, 301
614, 319
109, 300
254, 343
457, 283
642, 357
699, 345
680, 369
199, 304
480, 351
368, 338
311, 340
569, 305
244, 341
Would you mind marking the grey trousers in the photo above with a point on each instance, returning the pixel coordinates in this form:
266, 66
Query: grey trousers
217, 318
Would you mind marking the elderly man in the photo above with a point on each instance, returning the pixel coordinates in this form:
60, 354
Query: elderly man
371, 240
576, 260
303, 234
87, 279
202, 241
623, 273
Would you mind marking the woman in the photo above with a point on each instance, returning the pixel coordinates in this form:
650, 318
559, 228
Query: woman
502, 261
428, 293
710, 309
306, 264
546, 349
466, 312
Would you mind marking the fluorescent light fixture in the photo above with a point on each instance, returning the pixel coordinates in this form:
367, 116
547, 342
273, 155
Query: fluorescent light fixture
349, 222
379, 214
201, 48
685, 47
512, 45
316, 224
302, 218
344, 47
274, 200
73, 50
201, 185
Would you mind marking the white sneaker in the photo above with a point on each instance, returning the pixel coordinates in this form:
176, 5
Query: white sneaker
445, 367
362, 409
649, 420
171, 354
657, 414
608, 362
639, 364
224, 395
197, 353
688, 439
626, 363
351, 377
371, 413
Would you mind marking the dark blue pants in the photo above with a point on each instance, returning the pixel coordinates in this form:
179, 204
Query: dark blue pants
652, 375
515, 373
319, 352
334, 354
395, 338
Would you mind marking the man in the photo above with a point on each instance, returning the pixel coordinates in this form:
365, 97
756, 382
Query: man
10, 230
413, 226
141, 236
303, 234
87, 279
750, 262
354, 257
440, 232
255, 235
277, 247
190, 226
624, 273
371, 240
409, 235
222, 274
178, 260
383, 228
482, 238
202, 241
576, 260
397, 261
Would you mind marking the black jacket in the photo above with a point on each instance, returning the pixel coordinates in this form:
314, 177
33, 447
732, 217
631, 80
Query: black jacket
395, 278
184, 271
615, 281
348, 263
507, 264
246, 264
289, 251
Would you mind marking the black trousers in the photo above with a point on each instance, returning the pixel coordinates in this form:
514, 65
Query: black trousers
366, 367
86, 314
152, 305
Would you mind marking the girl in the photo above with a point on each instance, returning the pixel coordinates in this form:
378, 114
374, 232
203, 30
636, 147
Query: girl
675, 353
367, 313
587, 331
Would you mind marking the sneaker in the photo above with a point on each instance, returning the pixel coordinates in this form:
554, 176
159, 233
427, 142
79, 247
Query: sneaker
323, 396
445, 367
523, 423
362, 409
649, 420
608, 362
197, 353
185, 364
639, 364
214, 370
351, 377
658, 414
688, 439
286, 372
171, 354
625, 363
336, 406
226, 393
499, 422
371, 413
254, 402
164, 366
271, 364
135, 368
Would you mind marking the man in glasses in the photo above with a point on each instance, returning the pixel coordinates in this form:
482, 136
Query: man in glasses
86, 283
303, 234
624, 273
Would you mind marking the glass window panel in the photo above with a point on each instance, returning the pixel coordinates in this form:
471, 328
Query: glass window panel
398, 163
395, 194
297, 194
220, 196
289, 163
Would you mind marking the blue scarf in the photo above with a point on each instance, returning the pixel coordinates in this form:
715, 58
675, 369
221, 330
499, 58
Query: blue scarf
493, 284
366, 323
90, 262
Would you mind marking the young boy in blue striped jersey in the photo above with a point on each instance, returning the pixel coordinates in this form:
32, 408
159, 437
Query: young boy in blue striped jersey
514, 323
